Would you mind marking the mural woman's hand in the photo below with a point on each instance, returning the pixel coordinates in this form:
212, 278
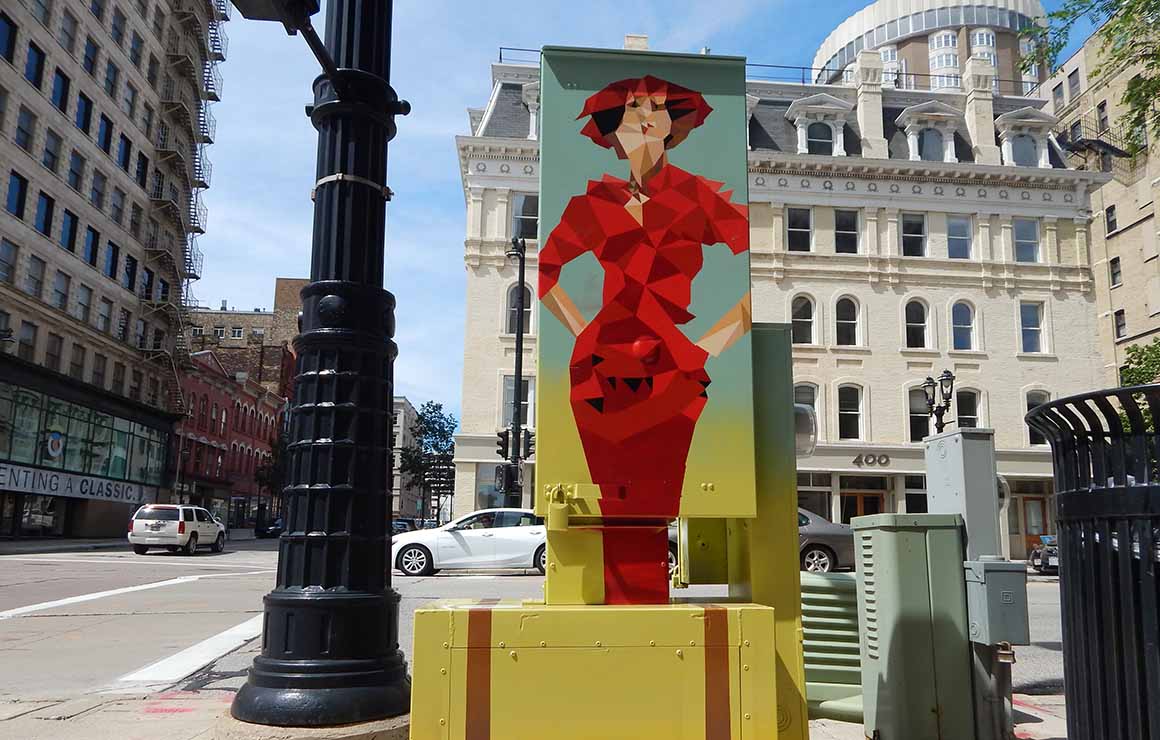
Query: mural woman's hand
561, 306
732, 326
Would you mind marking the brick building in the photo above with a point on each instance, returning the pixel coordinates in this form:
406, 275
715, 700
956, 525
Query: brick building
228, 434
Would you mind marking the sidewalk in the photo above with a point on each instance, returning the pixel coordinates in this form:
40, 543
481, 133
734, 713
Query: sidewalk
30, 546
190, 709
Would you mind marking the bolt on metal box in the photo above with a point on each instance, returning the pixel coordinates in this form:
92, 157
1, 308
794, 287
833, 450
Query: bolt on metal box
997, 602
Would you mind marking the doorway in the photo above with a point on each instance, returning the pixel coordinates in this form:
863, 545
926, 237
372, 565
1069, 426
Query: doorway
1035, 519
861, 495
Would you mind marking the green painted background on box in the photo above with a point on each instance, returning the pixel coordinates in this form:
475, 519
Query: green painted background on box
722, 449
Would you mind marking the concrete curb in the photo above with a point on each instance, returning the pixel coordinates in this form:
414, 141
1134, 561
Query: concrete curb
396, 728
43, 547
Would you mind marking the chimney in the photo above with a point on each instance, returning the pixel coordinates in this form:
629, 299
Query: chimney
224, 304
980, 109
636, 41
868, 72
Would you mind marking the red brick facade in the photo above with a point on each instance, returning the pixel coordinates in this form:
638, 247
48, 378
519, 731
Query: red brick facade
229, 433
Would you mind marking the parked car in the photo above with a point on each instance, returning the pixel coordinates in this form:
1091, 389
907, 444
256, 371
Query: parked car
822, 545
176, 528
1044, 557
490, 538
273, 529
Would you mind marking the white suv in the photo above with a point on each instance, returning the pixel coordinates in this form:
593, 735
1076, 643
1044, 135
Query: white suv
175, 527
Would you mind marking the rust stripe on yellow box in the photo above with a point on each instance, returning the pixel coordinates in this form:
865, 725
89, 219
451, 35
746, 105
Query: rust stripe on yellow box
478, 712
716, 673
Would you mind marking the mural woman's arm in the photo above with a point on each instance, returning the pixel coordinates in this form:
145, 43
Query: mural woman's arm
564, 245
735, 324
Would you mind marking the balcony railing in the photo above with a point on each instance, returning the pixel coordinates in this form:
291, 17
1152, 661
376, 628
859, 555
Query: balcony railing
202, 168
192, 262
206, 123
219, 42
197, 213
211, 81
184, 55
221, 9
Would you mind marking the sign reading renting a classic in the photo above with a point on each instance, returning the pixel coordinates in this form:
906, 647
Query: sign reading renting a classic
58, 483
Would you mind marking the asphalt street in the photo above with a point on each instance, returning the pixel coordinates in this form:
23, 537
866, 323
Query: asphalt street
75, 625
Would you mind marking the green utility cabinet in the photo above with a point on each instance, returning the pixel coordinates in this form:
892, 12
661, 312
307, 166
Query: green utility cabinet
916, 664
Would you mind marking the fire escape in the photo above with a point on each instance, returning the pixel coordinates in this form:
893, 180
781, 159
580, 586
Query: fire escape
194, 46
1097, 145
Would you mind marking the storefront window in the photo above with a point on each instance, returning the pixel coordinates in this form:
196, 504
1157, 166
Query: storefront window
54, 434
79, 448
102, 444
486, 497
26, 423
42, 516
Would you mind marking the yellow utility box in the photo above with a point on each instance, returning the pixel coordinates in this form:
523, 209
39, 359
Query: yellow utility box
490, 670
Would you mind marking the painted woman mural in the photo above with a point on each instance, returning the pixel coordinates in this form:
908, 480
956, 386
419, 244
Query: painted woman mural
638, 383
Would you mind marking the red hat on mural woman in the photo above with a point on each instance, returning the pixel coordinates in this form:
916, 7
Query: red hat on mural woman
686, 107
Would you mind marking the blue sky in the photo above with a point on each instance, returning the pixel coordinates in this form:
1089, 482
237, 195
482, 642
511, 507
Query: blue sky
259, 207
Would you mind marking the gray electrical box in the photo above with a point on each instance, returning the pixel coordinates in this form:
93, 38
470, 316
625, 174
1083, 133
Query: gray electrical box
961, 479
997, 602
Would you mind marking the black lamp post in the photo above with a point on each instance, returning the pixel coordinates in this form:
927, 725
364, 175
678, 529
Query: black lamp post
945, 386
517, 251
330, 643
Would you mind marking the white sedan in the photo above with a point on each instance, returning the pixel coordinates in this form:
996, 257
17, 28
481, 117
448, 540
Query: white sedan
489, 538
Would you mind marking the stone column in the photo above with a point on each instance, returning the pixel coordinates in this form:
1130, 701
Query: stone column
949, 145
777, 216
802, 125
869, 78
1081, 240
1006, 147
1042, 155
533, 113
870, 232
986, 248
475, 213
838, 127
1006, 239
912, 132
980, 110
503, 215
893, 245
1051, 240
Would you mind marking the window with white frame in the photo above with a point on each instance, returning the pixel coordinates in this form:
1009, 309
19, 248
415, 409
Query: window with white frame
982, 37
1031, 326
846, 232
802, 320
918, 414
1110, 222
913, 235
219, 332
944, 61
944, 40
198, 331
236, 332
799, 229
806, 394
527, 397
930, 145
820, 138
846, 322
1036, 398
967, 408
1026, 240
888, 53
525, 215
849, 412
916, 316
513, 309
959, 237
1115, 274
962, 326
1024, 151
1121, 322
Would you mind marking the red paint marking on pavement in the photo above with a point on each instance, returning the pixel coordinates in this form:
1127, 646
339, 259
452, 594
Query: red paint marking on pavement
167, 710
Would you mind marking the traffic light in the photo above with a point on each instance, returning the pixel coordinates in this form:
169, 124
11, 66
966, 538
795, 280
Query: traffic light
507, 478
502, 443
529, 443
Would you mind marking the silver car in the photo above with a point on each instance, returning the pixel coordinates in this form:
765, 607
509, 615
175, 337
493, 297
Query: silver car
823, 545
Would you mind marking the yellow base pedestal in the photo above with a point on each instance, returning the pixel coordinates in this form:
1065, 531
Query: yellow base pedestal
511, 671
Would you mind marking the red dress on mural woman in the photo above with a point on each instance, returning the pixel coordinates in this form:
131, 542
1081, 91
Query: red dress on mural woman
638, 383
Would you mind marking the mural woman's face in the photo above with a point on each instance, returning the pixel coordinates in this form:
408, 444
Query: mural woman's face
640, 138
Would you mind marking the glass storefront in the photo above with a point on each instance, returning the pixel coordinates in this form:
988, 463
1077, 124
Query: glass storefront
38, 429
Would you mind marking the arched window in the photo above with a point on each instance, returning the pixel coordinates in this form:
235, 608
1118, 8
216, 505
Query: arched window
930, 145
967, 408
916, 324
962, 326
846, 322
803, 320
201, 416
806, 394
513, 312
225, 420
213, 423
919, 414
849, 412
1024, 151
820, 138
1036, 398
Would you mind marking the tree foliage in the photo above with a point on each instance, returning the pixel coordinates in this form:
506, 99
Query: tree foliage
271, 475
426, 463
1142, 365
1129, 35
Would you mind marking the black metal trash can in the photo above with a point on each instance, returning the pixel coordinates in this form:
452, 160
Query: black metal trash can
1106, 454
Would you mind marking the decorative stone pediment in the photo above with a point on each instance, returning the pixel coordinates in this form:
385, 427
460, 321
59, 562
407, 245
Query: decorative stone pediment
933, 113
820, 107
1026, 119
